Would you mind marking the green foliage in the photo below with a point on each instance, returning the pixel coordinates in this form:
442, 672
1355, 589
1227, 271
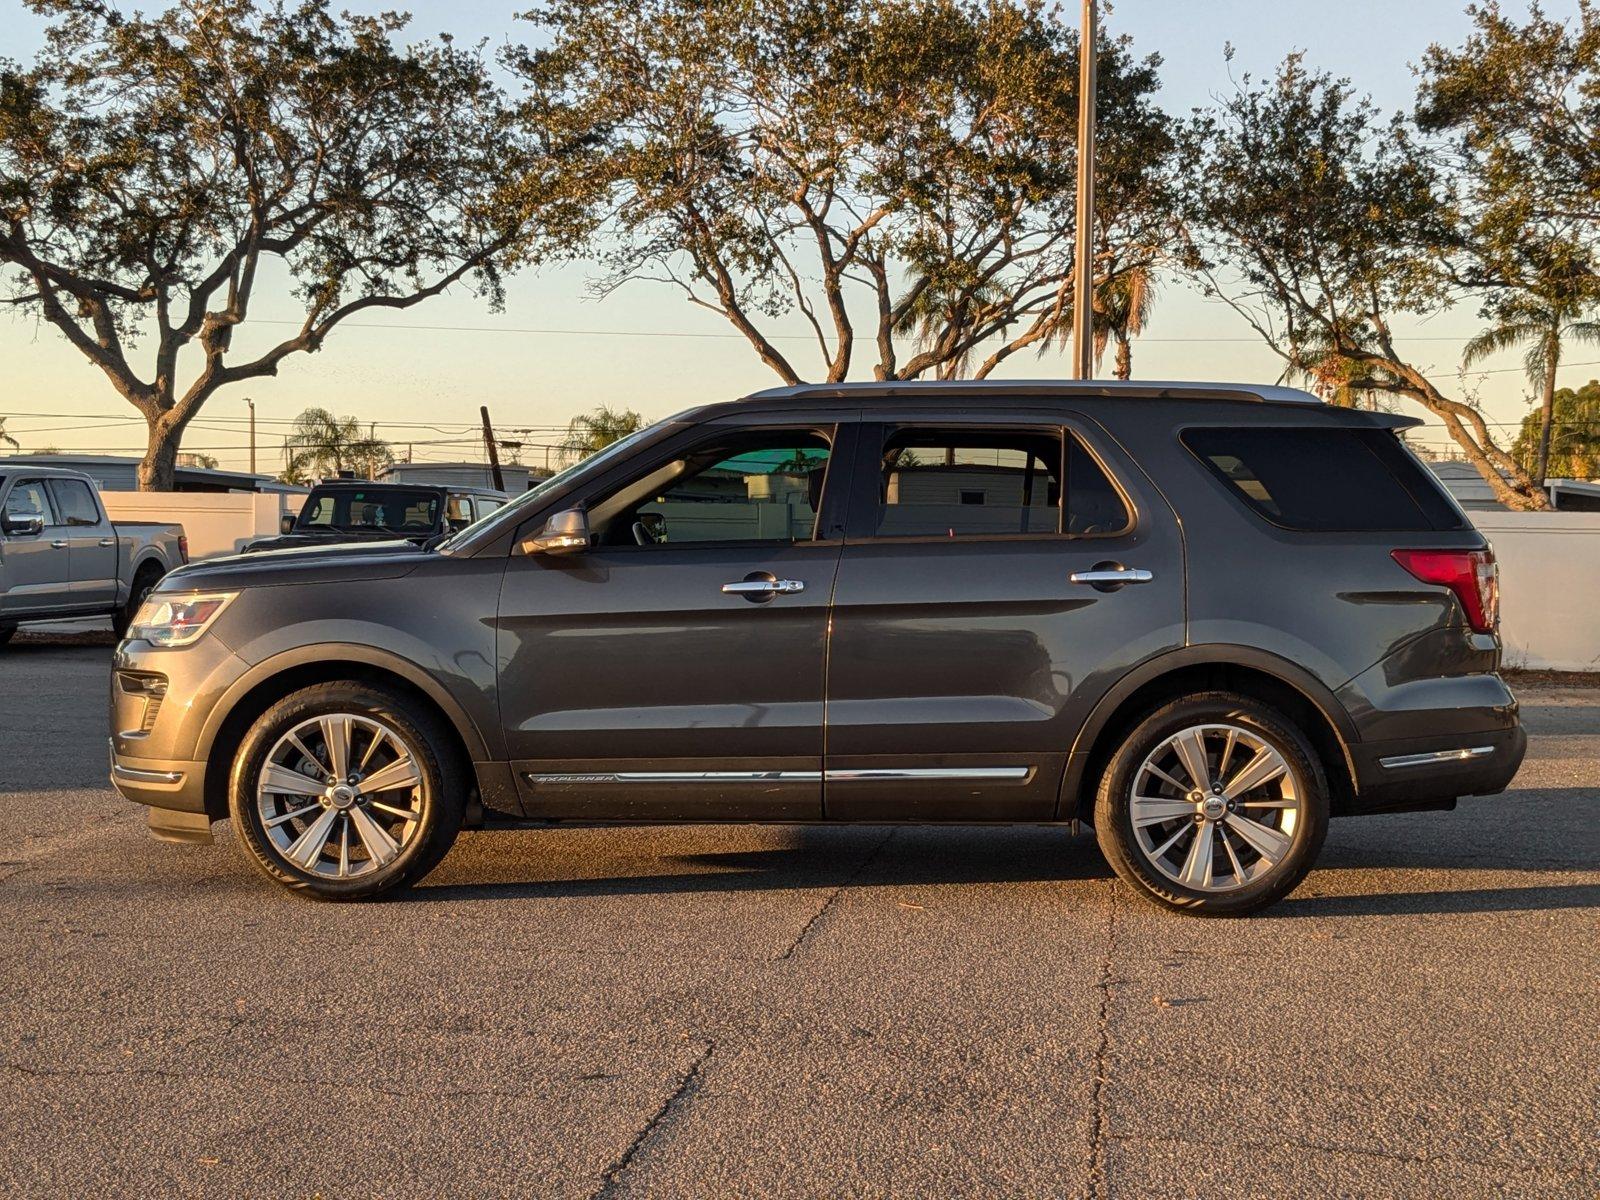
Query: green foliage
1574, 434
154, 167
911, 159
591, 432
321, 444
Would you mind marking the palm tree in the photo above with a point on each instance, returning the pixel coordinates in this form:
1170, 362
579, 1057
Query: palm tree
590, 432
7, 438
1122, 305
1542, 327
323, 444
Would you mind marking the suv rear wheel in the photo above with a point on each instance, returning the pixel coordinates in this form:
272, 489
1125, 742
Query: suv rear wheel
345, 790
1213, 805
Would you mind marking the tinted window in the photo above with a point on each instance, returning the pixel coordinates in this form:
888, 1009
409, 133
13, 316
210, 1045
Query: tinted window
1326, 479
76, 505
353, 510
1094, 506
28, 499
969, 482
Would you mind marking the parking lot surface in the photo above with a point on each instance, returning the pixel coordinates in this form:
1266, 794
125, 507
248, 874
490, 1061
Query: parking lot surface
780, 1011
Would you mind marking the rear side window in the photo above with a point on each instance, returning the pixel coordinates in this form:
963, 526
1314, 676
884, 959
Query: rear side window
1326, 479
75, 502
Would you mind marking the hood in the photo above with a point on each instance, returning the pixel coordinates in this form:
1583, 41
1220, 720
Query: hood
330, 537
306, 563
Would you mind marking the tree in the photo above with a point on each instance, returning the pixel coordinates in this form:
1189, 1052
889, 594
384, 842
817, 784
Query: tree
1122, 307
588, 433
1319, 224
191, 458
7, 438
1524, 322
860, 166
1574, 451
322, 444
154, 169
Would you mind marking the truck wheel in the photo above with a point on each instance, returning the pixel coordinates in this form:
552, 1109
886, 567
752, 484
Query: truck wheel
344, 791
144, 582
6, 632
1213, 805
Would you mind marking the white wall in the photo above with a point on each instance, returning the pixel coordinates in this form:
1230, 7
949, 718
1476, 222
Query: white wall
215, 522
1549, 587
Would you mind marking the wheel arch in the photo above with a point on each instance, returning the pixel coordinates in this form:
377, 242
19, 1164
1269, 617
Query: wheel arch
1303, 697
268, 682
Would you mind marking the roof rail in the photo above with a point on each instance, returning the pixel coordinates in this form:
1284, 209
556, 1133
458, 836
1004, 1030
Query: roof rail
1270, 393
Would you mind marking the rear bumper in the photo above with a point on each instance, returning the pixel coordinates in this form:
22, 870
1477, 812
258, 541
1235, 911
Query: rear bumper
1431, 772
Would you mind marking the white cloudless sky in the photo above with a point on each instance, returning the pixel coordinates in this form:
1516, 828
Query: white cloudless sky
402, 373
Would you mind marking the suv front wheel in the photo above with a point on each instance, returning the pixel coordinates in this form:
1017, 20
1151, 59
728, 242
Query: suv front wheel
1213, 805
345, 790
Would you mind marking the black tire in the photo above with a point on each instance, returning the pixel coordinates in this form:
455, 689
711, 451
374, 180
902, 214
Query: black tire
7, 632
144, 582
1114, 827
441, 792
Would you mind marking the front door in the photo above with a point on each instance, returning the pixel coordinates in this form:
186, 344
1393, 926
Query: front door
92, 543
970, 614
35, 568
675, 669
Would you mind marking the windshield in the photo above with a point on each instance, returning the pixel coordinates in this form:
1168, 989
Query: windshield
351, 510
514, 511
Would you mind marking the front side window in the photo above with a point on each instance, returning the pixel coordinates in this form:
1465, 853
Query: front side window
28, 499
761, 487
77, 506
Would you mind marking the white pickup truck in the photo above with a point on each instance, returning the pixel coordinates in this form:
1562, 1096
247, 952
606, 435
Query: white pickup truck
60, 556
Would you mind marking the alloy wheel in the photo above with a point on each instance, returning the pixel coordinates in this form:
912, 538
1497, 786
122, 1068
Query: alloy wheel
340, 795
1215, 807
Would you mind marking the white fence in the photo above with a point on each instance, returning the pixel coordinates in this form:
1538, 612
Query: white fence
1549, 587
215, 522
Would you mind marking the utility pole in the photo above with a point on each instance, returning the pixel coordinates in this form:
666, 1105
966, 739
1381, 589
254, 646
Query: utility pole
1083, 264
494, 454
252, 405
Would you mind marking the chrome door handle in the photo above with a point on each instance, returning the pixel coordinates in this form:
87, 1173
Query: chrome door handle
1115, 575
58, 545
764, 587
108, 541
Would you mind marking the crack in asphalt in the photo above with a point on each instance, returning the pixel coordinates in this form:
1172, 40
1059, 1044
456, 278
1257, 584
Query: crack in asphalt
612, 1178
805, 930
1097, 1126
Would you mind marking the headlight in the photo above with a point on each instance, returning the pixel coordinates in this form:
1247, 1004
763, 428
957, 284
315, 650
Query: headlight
177, 620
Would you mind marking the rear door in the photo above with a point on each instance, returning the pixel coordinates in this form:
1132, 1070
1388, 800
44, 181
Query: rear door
91, 540
675, 669
35, 568
1000, 568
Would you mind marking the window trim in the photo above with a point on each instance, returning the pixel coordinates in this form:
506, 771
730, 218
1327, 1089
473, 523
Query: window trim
867, 503
832, 432
1239, 498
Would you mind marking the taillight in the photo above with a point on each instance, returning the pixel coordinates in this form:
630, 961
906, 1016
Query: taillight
1472, 575
183, 546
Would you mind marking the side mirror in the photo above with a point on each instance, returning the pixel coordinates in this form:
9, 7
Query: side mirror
23, 524
565, 533
286, 524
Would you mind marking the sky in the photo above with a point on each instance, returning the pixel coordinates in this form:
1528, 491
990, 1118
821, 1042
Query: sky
554, 351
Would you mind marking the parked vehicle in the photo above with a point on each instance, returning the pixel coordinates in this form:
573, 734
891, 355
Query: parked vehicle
354, 510
61, 556
1203, 617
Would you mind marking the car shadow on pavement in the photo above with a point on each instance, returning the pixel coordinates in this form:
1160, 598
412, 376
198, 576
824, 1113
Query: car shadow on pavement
1544, 898
816, 859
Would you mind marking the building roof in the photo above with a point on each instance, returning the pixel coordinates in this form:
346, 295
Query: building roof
127, 466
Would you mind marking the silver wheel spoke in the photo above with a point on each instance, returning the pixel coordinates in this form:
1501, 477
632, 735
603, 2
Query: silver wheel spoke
1227, 753
1191, 748
344, 846
1266, 766
1152, 810
380, 846
284, 818
401, 773
336, 733
1233, 859
307, 848
1160, 774
305, 752
378, 739
285, 782
1169, 843
404, 813
1280, 803
1265, 840
1197, 866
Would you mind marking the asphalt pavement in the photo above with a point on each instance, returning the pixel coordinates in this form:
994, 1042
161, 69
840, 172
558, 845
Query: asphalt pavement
716, 1011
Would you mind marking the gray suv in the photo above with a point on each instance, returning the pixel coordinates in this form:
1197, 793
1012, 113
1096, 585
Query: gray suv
1203, 617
